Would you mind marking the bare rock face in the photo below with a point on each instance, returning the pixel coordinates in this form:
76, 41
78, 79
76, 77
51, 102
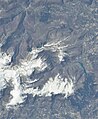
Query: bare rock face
48, 59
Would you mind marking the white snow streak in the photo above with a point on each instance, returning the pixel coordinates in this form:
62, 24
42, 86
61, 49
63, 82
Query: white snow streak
55, 85
8, 73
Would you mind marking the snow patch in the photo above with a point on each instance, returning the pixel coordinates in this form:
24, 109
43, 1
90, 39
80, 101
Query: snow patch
13, 74
55, 85
59, 47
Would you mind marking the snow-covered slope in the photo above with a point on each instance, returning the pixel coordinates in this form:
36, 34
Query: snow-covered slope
26, 67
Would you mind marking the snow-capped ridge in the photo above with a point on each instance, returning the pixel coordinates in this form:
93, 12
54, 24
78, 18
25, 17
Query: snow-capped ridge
14, 73
26, 67
54, 85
